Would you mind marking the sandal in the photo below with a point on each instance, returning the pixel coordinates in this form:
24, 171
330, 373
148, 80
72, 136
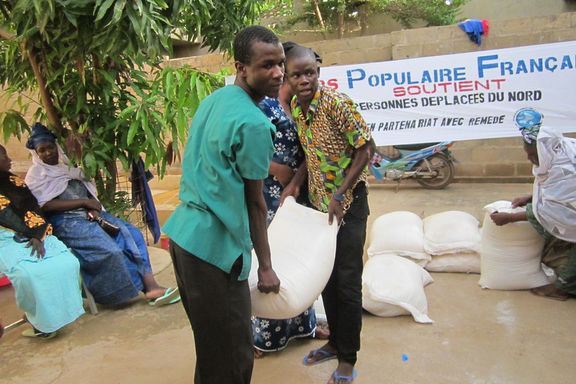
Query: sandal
37, 334
337, 379
318, 356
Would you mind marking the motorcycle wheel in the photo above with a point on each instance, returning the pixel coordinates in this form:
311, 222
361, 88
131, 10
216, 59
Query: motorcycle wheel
442, 166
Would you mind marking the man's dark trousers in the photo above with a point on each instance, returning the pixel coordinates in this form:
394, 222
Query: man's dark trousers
342, 296
218, 307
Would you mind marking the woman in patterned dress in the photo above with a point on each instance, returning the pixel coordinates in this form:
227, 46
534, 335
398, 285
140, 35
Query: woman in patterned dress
273, 335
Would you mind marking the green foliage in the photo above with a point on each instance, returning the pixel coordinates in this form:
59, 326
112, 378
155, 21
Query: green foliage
407, 12
433, 12
99, 68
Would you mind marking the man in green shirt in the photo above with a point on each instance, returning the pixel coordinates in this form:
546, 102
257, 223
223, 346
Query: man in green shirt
223, 212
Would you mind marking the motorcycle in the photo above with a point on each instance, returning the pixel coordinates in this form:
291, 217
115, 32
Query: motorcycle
430, 164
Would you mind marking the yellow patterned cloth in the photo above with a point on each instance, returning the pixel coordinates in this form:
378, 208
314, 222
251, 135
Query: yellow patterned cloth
330, 133
19, 210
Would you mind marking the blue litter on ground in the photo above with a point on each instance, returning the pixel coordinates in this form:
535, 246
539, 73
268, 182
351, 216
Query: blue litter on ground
404, 357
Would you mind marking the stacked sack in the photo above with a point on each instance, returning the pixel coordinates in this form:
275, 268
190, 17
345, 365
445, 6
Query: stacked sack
402, 245
393, 280
511, 254
453, 240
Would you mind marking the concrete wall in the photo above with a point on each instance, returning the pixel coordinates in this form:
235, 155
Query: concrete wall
478, 159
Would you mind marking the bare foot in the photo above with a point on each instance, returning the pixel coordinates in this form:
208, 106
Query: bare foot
321, 333
344, 374
258, 353
550, 291
155, 293
324, 353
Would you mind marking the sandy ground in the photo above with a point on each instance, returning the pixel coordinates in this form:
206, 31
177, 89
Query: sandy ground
479, 336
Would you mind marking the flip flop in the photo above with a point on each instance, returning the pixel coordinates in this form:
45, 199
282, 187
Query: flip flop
171, 296
324, 356
39, 335
342, 379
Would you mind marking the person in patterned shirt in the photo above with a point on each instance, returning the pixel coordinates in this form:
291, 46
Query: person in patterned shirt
43, 271
337, 146
274, 334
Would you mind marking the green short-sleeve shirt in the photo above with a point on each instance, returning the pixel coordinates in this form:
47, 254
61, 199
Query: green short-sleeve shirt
230, 139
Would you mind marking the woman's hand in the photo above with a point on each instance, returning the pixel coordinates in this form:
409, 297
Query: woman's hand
92, 205
37, 247
503, 218
521, 201
94, 209
282, 173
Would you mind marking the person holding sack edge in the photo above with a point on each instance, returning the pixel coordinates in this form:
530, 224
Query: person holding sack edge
337, 146
229, 148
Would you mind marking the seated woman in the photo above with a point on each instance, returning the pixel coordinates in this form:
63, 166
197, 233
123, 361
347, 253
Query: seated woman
44, 273
550, 209
115, 267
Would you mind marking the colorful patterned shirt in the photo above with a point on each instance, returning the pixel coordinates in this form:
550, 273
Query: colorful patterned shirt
330, 134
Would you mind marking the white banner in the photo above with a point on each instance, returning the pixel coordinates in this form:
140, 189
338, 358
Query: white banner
462, 96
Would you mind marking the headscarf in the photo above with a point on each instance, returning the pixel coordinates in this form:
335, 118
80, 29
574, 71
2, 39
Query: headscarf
49, 181
530, 134
529, 122
40, 134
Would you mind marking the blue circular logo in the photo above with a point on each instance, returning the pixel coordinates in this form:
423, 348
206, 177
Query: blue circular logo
527, 117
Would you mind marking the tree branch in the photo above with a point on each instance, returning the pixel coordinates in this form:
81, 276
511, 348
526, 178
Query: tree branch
44, 95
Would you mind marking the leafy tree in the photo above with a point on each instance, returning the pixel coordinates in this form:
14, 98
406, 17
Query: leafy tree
95, 66
433, 12
335, 15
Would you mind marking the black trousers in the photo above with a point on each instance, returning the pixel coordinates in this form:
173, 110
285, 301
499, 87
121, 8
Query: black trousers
342, 296
218, 307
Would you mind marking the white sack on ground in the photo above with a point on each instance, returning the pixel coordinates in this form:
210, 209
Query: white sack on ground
303, 247
399, 233
511, 254
455, 262
451, 232
394, 286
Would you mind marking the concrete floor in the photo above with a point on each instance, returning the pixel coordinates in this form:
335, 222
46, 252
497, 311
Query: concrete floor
479, 336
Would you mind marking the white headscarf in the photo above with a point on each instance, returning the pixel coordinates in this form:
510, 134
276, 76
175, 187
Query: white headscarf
49, 181
554, 194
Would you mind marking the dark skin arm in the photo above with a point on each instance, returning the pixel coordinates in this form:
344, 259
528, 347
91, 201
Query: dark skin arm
293, 187
283, 173
257, 214
360, 160
503, 218
62, 205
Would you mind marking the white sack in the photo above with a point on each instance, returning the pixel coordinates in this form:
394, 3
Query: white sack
511, 254
455, 262
303, 247
451, 232
394, 286
399, 233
